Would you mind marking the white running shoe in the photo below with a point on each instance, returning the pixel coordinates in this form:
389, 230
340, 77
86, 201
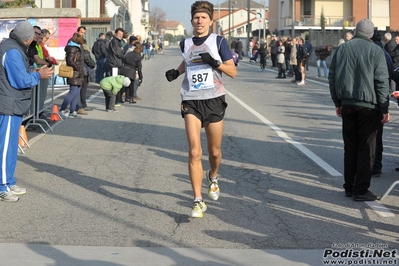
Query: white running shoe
213, 189
199, 207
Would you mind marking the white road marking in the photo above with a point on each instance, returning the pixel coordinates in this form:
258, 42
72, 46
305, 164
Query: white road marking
328, 168
380, 209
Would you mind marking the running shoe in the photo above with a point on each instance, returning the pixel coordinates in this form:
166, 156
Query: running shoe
16, 190
213, 189
199, 207
8, 196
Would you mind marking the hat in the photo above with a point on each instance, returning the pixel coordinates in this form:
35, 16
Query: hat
365, 27
126, 81
376, 36
24, 31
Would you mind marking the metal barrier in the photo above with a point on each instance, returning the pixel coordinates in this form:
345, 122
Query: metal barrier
39, 106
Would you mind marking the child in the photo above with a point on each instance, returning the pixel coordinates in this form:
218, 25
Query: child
111, 86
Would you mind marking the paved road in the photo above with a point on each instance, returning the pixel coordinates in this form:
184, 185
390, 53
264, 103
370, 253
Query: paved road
112, 188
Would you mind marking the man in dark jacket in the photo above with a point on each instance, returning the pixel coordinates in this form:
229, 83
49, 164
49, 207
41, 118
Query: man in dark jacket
360, 93
389, 42
273, 50
115, 57
101, 54
309, 49
322, 52
115, 51
395, 53
376, 170
16, 81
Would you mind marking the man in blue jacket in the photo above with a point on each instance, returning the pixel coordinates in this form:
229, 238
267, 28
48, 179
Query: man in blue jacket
16, 82
360, 92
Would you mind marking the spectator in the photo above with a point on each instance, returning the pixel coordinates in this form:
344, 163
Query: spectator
287, 55
395, 53
379, 148
389, 42
238, 49
293, 61
75, 59
348, 36
262, 52
116, 53
360, 93
100, 52
16, 79
273, 50
88, 76
133, 70
309, 49
281, 60
322, 52
111, 86
301, 59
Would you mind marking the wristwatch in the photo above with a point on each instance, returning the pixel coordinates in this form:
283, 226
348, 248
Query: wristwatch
217, 64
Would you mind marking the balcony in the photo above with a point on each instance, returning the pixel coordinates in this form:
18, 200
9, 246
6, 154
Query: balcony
313, 21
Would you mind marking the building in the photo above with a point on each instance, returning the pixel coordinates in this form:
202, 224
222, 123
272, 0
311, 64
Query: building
338, 14
175, 28
231, 19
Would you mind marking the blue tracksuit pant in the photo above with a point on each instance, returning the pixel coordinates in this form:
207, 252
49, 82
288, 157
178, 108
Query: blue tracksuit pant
9, 136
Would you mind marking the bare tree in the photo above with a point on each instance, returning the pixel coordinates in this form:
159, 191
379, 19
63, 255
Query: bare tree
157, 18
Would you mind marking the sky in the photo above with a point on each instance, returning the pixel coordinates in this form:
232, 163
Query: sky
179, 10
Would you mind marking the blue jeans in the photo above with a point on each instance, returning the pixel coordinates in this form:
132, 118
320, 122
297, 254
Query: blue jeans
71, 99
101, 69
324, 67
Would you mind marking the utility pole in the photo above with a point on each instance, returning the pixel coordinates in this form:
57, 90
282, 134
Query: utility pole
229, 21
248, 21
293, 19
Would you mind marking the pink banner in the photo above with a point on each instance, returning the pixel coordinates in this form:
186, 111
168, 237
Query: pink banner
66, 28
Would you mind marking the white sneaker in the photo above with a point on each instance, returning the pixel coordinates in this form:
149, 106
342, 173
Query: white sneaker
213, 189
301, 83
16, 190
63, 114
8, 196
74, 115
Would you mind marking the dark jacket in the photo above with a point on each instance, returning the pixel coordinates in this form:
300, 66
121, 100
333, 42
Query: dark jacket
362, 82
262, 49
287, 52
301, 53
99, 49
13, 101
131, 63
395, 56
115, 56
322, 52
273, 46
390, 46
75, 59
309, 48
89, 65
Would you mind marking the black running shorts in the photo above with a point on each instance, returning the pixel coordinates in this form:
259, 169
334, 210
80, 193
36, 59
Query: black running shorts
207, 111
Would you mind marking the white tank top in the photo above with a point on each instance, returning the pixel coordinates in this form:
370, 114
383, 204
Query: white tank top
201, 81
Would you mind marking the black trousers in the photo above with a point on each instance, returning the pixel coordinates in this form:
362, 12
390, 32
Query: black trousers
379, 148
359, 130
109, 100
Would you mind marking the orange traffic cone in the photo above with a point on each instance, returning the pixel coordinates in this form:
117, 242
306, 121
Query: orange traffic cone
54, 114
23, 138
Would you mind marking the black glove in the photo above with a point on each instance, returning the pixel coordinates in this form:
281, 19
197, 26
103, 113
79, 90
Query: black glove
140, 81
207, 58
171, 74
